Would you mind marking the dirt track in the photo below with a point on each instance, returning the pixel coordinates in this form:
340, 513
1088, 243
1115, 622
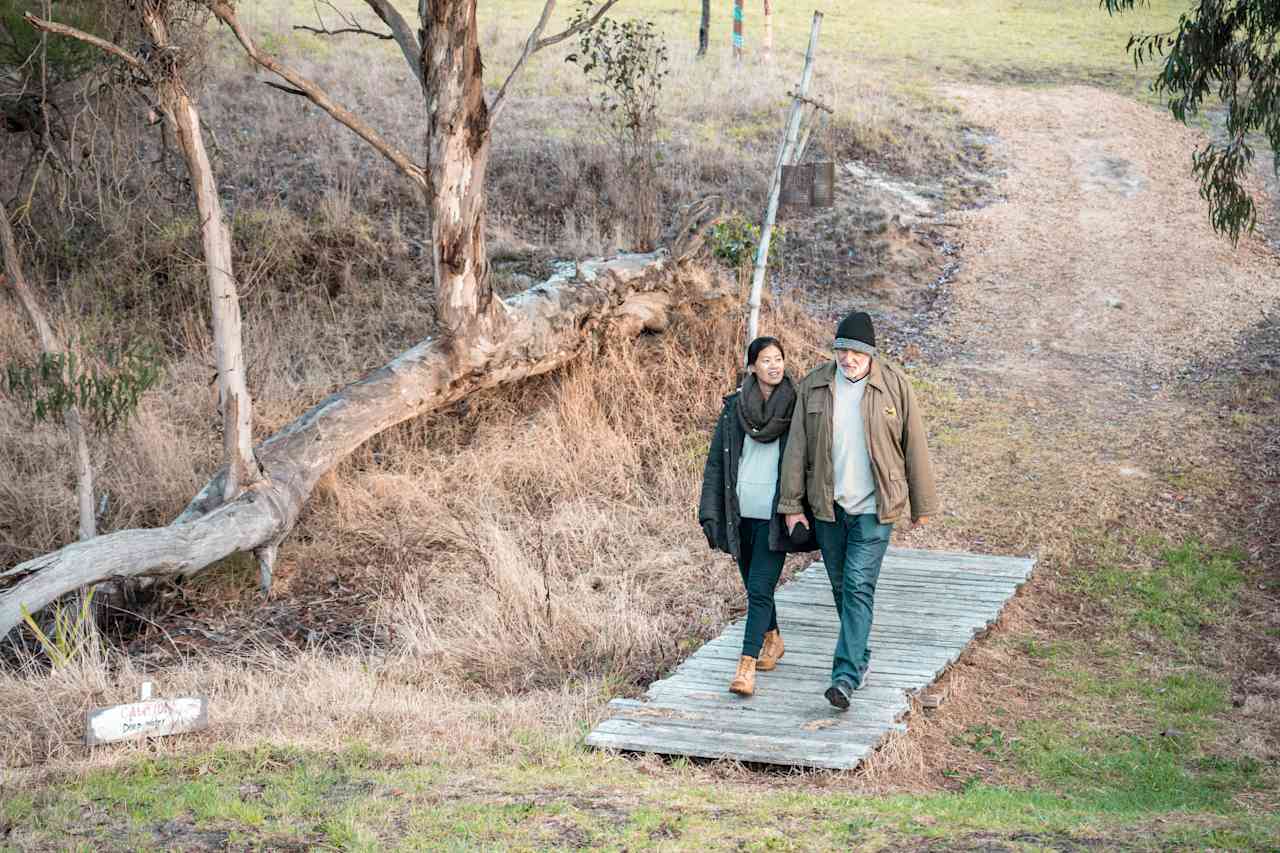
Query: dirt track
1109, 375
1100, 270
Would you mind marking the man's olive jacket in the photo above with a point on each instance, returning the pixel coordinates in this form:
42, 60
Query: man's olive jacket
895, 438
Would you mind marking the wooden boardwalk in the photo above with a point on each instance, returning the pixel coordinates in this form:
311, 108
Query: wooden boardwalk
929, 606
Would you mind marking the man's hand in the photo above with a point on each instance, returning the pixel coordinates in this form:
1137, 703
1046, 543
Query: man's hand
920, 522
792, 519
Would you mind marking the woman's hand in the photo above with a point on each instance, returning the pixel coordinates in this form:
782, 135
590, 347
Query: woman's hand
792, 519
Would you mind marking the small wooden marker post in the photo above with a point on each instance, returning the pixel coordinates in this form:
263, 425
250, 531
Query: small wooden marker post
146, 718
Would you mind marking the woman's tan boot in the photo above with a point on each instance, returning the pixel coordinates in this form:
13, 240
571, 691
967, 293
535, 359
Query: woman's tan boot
771, 652
744, 681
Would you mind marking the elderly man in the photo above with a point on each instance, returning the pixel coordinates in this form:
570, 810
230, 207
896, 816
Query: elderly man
856, 452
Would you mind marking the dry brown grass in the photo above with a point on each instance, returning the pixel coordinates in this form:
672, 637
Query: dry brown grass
313, 700
537, 545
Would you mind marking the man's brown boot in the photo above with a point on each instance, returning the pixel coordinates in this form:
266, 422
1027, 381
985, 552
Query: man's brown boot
744, 681
771, 652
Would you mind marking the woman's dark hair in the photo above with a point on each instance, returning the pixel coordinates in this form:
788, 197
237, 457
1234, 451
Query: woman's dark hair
761, 344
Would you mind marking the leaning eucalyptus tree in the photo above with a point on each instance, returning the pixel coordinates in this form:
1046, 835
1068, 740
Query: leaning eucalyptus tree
483, 341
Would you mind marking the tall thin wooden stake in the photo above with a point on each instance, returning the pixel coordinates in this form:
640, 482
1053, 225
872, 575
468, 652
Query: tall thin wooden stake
767, 43
737, 29
789, 141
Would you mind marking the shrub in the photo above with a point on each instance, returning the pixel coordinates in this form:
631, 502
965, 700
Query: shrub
626, 62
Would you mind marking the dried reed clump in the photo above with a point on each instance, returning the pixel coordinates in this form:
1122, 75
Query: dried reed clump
550, 535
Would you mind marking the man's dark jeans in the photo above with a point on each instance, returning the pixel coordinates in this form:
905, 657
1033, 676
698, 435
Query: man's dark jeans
760, 570
853, 548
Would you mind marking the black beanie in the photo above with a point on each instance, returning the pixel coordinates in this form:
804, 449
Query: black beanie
855, 332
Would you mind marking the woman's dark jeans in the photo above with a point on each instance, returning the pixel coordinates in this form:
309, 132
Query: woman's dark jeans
760, 569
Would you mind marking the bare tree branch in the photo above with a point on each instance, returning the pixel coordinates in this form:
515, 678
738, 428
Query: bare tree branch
225, 13
100, 43
283, 88
322, 31
352, 25
405, 35
536, 42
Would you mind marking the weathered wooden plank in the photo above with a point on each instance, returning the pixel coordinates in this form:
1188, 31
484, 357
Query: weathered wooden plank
826, 615
824, 644
818, 619
765, 742
978, 591
877, 690
821, 663
890, 604
936, 586
728, 747
809, 640
896, 566
812, 682
939, 581
1012, 567
724, 657
962, 570
932, 615
793, 626
884, 629
819, 734
892, 703
787, 702
749, 716
782, 682
960, 586
1024, 563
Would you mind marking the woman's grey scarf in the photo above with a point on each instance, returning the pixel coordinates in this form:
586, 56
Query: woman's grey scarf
765, 420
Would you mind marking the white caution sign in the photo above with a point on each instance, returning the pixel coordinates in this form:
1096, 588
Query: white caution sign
148, 718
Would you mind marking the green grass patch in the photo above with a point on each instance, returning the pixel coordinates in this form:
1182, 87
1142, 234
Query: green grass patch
358, 799
1005, 40
1132, 774
1185, 590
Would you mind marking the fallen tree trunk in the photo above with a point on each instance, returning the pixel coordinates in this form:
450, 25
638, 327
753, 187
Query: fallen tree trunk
548, 326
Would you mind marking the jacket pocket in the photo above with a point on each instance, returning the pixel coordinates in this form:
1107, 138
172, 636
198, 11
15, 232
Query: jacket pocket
895, 496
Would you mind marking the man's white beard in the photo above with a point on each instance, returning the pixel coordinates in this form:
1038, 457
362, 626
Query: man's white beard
850, 376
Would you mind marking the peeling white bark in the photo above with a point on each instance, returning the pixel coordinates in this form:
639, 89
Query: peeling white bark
224, 300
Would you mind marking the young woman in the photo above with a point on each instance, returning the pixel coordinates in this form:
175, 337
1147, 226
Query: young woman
738, 510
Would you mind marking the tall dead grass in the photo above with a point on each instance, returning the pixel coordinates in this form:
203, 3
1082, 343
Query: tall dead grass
536, 545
